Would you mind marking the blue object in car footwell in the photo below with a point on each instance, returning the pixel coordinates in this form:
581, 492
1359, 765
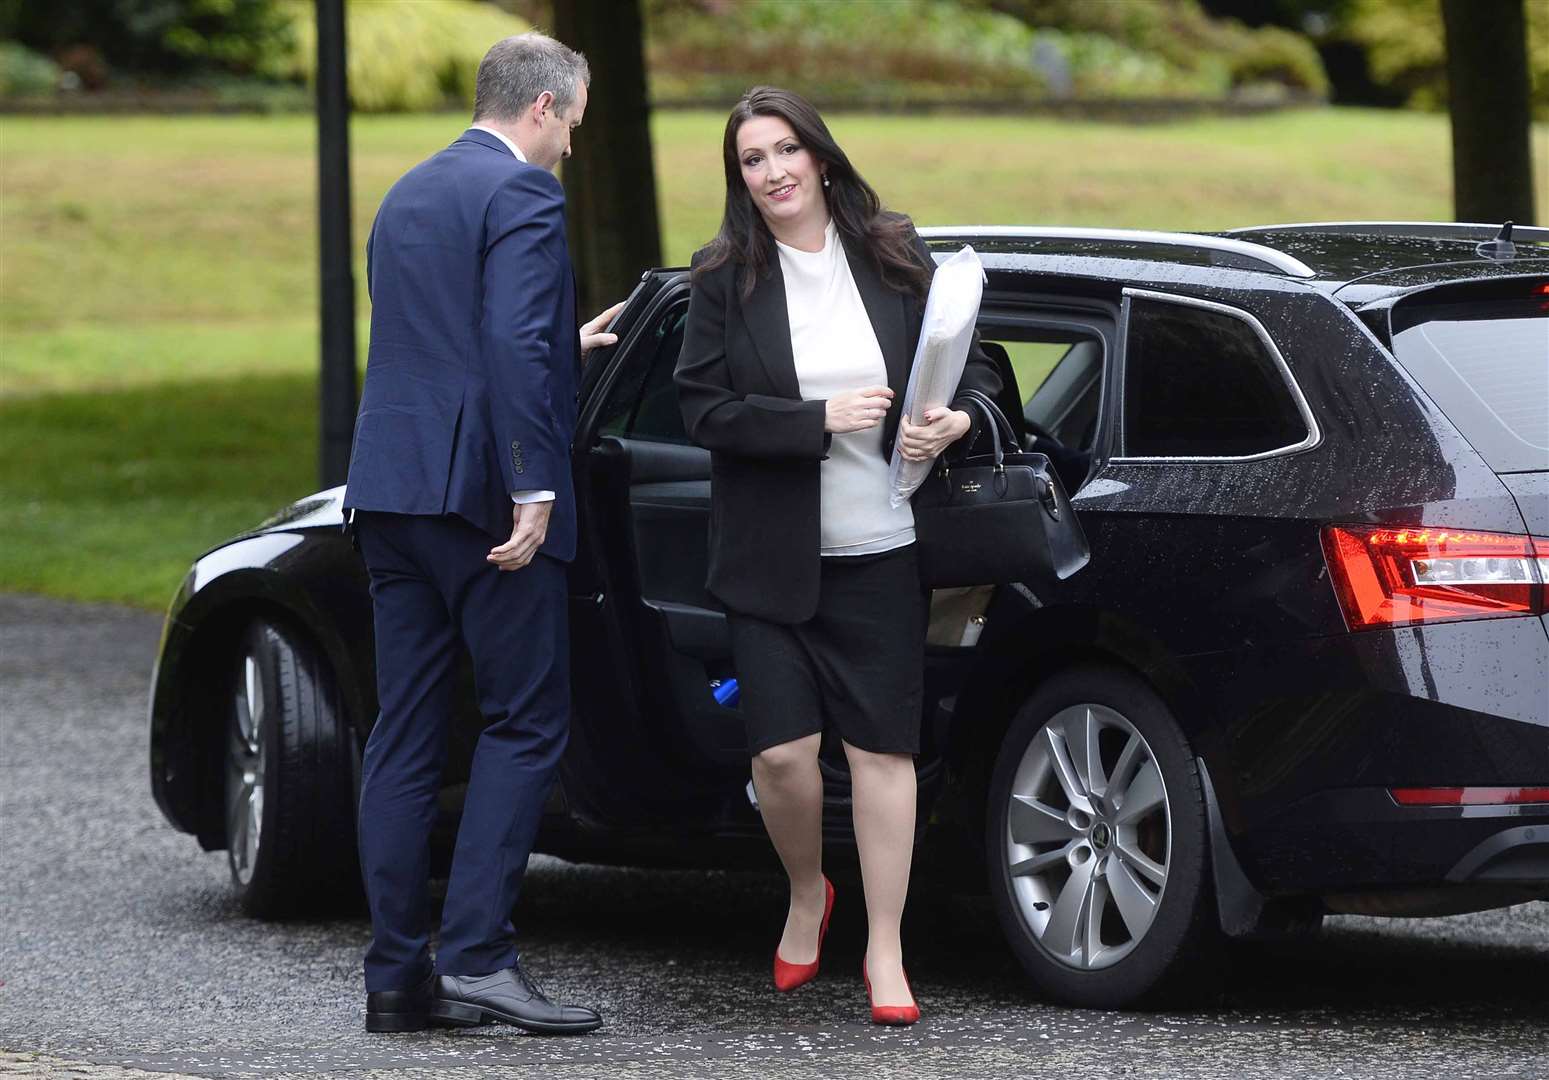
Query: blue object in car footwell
726, 691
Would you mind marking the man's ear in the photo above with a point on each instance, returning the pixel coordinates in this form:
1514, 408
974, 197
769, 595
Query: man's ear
542, 102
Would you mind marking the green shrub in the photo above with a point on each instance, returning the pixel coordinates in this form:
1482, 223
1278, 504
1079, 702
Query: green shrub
1406, 49
403, 57
23, 73
152, 37
920, 50
1203, 55
872, 53
1101, 67
1274, 56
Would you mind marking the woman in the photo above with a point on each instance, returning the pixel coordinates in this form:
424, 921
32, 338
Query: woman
801, 331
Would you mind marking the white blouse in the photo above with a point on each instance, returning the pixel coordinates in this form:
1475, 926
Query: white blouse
836, 350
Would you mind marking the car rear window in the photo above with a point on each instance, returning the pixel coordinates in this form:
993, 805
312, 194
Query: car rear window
1487, 367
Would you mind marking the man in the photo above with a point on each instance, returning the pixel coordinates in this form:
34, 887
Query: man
460, 493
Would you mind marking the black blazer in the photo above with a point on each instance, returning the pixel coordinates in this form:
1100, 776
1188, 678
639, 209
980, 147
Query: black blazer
741, 400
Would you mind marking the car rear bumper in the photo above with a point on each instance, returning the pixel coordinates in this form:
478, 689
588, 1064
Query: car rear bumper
1518, 856
1360, 841
1312, 739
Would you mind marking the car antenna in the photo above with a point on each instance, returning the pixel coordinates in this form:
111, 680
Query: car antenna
1499, 248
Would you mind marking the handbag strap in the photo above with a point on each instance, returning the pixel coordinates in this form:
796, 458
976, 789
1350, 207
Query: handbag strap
1000, 427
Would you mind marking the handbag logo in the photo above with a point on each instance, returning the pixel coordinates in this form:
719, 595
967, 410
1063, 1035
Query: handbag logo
969, 488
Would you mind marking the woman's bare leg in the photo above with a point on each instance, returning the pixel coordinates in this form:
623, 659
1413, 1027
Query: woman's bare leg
790, 798
883, 791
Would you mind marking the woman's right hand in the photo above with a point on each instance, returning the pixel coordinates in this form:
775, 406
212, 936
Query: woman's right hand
857, 410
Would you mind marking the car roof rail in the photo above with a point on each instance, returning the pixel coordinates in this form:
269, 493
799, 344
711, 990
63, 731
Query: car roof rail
1423, 230
1266, 257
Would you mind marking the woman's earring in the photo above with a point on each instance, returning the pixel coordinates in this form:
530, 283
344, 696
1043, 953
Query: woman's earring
825, 180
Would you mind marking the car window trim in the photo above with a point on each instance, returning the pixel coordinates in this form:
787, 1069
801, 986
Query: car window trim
673, 290
1314, 434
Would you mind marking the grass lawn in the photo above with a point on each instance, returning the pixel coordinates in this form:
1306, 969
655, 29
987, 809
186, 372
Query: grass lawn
110, 494
158, 281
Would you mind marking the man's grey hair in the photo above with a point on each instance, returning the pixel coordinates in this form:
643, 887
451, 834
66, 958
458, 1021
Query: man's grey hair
517, 69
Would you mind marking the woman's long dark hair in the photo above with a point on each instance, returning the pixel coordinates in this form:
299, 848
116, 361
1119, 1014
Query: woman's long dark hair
744, 238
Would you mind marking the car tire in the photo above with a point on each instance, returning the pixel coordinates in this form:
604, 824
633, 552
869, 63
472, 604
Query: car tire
1101, 882
291, 779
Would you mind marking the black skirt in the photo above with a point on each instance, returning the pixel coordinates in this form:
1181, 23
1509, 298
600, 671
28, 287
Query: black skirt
857, 665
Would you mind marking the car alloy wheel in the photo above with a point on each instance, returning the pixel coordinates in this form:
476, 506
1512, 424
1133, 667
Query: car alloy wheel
291, 766
1097, 845
245, 763
1088, 836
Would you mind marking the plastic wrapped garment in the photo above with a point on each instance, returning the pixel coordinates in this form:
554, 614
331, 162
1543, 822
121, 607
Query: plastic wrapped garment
950, 311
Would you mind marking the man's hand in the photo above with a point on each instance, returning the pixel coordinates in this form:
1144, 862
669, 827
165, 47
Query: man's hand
942, 428
592, 335
529, 525
856, 410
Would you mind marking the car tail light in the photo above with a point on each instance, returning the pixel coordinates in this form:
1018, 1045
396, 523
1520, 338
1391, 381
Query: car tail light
1469, 796
1386, 576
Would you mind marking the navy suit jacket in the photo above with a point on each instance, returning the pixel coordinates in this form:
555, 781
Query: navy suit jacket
471, 377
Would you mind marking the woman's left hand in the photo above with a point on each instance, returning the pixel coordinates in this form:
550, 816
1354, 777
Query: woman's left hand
923, 442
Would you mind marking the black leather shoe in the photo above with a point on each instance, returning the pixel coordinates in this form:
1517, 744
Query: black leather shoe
510, 997
400, 1010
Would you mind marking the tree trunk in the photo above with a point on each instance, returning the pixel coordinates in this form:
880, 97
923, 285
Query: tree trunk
610, 180
1487, 80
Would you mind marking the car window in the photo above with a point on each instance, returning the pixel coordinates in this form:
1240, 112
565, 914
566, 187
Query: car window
1058, 376
1032, 361
643, 403
1201, 382
1487, 366
1054, 390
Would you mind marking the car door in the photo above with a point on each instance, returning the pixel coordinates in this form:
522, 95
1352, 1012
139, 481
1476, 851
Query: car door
648, 642
1212, 466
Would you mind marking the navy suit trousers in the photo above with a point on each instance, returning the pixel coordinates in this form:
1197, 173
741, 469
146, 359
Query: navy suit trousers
431, 589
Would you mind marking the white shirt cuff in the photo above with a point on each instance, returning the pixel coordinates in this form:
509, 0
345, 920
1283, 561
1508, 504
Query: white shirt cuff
536, 496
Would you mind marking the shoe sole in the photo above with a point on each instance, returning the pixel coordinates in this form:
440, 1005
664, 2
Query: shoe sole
381, 1022
387, 1023
462, 1014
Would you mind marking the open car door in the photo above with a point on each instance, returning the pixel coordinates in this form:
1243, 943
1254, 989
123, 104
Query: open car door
648, 716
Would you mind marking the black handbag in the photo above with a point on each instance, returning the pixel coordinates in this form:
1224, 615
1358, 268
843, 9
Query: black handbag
996, 518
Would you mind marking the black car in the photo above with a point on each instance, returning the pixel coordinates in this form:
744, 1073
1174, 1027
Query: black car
1306, 671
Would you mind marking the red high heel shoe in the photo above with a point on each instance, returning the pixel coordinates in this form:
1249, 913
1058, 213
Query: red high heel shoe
787, 976
893, 1015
